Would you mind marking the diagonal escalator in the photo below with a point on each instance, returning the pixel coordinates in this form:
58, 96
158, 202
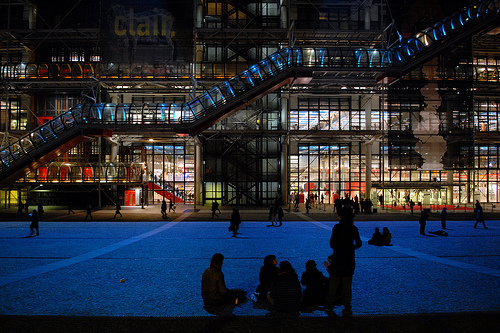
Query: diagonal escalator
286, 66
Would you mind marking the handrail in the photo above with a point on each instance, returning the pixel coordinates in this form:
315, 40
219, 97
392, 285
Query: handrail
254, 76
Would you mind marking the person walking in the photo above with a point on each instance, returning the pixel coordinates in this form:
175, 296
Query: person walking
443, 215
117, 211
34, 223
89, 213
424, 215
171, 206
344, 241
70, 209
480, 217
235, 221
215, 208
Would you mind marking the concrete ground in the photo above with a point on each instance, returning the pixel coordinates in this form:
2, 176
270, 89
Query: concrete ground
142, 273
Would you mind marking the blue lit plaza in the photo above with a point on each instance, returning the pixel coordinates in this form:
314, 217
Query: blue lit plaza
114, 268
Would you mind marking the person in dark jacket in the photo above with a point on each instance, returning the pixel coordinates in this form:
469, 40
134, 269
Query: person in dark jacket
164, 209
387, 236
34, 223
286, 293
344, 240
280, 216
20, 208
316, 285
480, 218
40, 211
215, 208
443, 215
117, 211
235, 221
213, 285
424, 215
89, 213
267, 275
377, 238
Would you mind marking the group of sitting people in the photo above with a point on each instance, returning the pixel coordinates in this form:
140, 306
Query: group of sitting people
381, 239
279, 286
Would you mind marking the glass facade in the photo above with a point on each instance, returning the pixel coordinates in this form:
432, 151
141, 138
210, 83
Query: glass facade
171, 170
247, 102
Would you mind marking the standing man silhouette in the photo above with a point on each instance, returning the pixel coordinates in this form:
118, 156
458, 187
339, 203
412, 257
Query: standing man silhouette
89, 213
344, 240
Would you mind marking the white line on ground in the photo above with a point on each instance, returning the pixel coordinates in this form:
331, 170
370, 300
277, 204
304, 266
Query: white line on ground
14, 277
421, 255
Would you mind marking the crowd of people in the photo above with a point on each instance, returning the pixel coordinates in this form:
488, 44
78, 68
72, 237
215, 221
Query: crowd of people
281, 289
279, 285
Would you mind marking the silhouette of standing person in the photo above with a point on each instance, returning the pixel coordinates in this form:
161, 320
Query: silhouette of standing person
235, 221
344, 240
40, 211
117, 211
411, 206
34, 223
171, 206
424, 215
164, 209
280, 216
89, 213
20, 208
443, 215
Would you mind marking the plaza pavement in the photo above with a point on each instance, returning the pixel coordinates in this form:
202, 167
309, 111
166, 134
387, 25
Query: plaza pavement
140, 273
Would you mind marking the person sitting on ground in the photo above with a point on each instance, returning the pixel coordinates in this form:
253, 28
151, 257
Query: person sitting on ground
286, 293
377, 238
267, 275
213, 286
387, 236
316, 285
